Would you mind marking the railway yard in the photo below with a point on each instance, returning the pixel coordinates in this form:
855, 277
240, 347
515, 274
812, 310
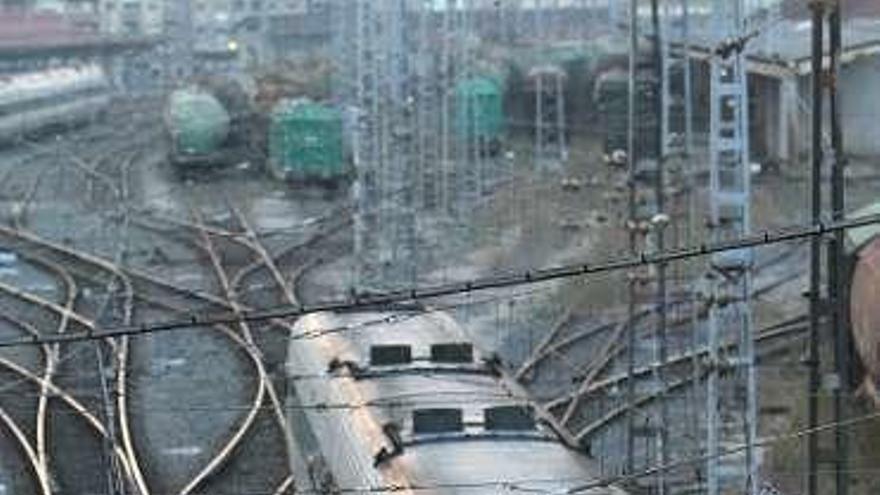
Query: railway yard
100, 233
447, 249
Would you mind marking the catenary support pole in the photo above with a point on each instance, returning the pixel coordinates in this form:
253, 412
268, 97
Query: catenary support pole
631, 159
661, 93
818, 19
839, 329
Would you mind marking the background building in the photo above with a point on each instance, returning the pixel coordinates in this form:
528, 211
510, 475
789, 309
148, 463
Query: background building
131, 17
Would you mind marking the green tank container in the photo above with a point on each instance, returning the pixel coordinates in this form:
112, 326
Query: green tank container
479, 108
306, 141
197, 124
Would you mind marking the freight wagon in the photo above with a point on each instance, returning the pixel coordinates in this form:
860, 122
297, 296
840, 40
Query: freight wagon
197, 126
306, 143
479, 113
212, 123
864, 293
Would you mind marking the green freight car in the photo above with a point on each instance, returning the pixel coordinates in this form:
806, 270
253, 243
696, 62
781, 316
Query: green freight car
306, 142
197, 125
479, 113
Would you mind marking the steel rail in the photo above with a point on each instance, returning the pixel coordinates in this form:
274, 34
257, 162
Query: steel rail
121, 355
51, 352
607, 355
248, 343
285, 486
140, 294
541, 350
612, 348
33, 459
48, 372
682, 358
74, 404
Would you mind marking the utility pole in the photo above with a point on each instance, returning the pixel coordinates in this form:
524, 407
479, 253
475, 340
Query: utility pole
658, 225
839, 328
632, 159
813, 360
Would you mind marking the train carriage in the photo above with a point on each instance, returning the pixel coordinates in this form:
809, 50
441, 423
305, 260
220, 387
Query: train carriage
306, 142
479, 113
55, 98
404, 400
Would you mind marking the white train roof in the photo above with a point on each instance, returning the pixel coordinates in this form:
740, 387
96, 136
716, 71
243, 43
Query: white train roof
51, 82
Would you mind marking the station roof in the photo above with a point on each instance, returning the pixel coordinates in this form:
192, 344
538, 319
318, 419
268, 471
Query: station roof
783, 47
19, 29
25, 34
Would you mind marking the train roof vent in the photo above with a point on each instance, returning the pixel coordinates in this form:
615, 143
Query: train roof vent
452, 353
432, 421
390, 355
509, 418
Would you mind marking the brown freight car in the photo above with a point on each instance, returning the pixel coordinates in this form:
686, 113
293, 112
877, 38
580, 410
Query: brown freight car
864, 299
865, 314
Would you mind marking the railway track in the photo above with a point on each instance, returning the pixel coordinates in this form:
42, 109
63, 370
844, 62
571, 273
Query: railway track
583, 363
36, 458
230, 295
208, 237
65, 312
68, 315
104, 167
147, 290
235, 274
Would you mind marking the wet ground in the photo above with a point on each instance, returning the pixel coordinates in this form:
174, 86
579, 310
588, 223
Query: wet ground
189, 390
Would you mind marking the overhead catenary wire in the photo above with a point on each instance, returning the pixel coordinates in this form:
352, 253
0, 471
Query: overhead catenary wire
796, 322
384, 300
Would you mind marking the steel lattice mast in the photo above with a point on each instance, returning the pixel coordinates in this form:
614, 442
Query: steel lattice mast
468, 166
396, 96
367, 219
658, 227
731, 395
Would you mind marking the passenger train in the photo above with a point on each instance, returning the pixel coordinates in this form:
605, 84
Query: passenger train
32, 102
409, 405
